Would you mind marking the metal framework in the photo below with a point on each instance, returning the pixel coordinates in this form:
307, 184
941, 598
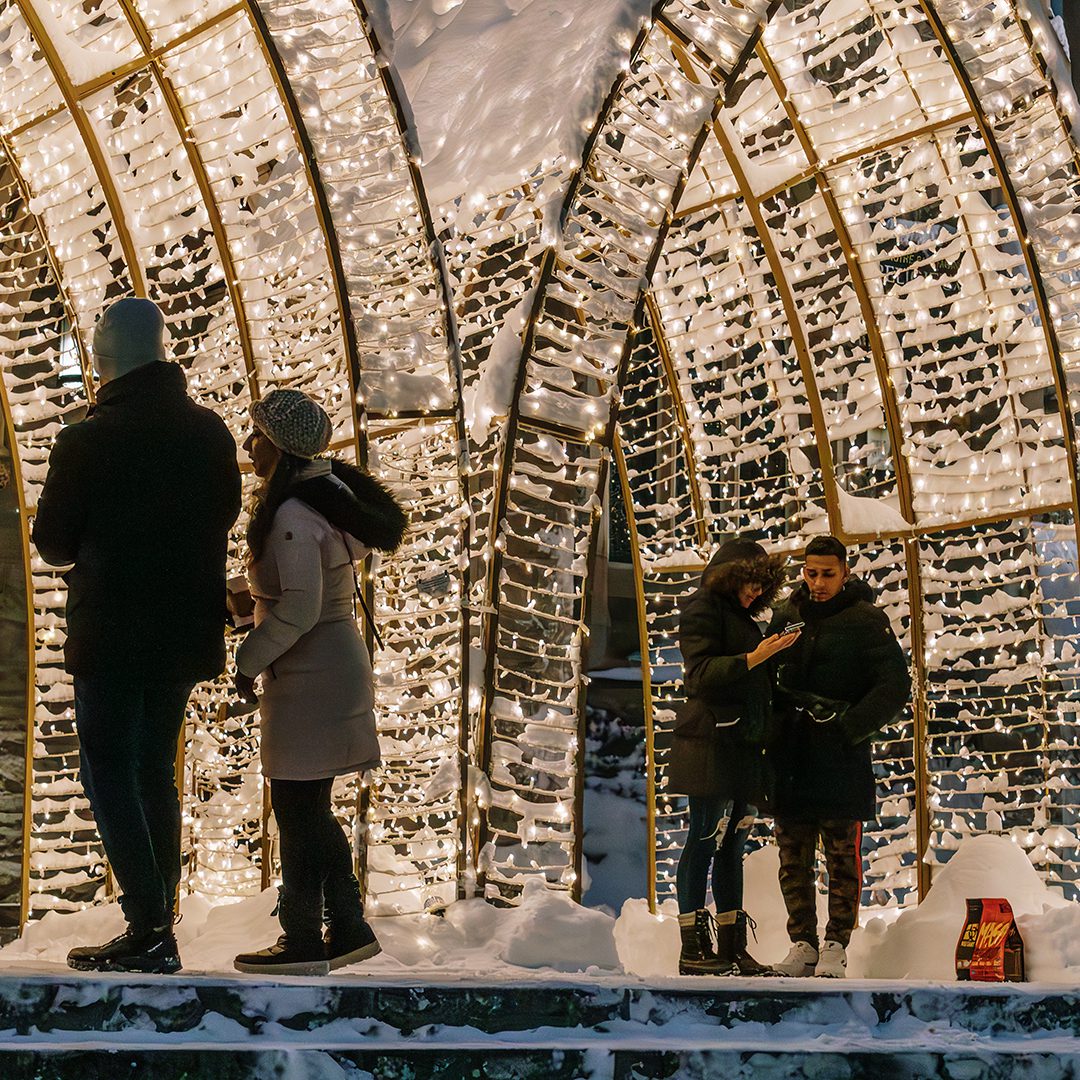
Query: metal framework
928, 799
263, 239
816, 269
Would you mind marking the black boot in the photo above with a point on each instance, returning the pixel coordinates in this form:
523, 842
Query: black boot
300, 950
150, 950
349, 938
746, 964
698, 956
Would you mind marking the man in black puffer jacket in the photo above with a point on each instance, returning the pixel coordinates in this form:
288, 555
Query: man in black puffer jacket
140, 497
843, 681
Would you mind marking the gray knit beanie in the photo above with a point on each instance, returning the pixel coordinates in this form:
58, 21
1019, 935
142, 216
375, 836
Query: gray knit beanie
129, 335
293, 422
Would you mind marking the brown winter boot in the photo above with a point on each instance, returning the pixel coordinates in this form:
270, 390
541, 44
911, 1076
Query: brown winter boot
698, 956
746, 964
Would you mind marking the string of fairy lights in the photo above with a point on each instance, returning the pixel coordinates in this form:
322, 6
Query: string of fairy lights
816, 270
857, 179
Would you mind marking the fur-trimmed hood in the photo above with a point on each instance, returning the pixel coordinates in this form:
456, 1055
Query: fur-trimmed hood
363, 507
740, 562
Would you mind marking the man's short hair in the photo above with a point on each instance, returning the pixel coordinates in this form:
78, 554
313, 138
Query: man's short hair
824, 546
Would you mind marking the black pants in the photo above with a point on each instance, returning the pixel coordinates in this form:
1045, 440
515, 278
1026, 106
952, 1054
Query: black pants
716, 839
313, 843
128, 731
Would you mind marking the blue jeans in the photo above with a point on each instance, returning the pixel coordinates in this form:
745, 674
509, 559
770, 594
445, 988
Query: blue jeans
717, 839
128, 730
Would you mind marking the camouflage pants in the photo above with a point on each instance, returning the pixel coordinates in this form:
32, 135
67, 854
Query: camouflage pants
842, 843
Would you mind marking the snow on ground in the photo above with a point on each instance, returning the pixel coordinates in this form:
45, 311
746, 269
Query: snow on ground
921, 943
914, 943
547, 931
498, 87
548, 936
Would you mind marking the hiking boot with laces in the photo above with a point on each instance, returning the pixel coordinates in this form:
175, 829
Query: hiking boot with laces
698, 956
745, 963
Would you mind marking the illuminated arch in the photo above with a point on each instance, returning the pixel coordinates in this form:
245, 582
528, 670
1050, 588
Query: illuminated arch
776, 321
171, 157
770, 242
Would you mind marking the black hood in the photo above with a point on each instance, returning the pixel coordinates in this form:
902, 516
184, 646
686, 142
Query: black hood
739, 562
854, 590
363, 508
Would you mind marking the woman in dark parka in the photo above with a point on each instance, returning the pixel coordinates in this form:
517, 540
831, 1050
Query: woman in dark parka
718, 749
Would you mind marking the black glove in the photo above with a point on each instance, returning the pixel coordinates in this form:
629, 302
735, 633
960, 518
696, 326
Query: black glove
245, 689
821, 712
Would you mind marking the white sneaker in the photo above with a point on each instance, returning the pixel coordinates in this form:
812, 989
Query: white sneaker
832, 963
799, 962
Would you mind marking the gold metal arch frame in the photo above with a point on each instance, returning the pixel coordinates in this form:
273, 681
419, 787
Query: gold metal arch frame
170, 156
817, 271
852, 330
561, 427
869, 237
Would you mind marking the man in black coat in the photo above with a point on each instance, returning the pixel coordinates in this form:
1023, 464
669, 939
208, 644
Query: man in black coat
140, 498
843, 681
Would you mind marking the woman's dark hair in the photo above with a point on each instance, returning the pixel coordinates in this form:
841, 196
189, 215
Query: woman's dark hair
268, 499
766, 571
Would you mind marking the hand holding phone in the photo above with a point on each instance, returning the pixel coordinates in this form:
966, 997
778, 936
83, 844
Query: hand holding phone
772, 645
239, 602
791, 628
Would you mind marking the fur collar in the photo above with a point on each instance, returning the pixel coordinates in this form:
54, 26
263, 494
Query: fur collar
355, 502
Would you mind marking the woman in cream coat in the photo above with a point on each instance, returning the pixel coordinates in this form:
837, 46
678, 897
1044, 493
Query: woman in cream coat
314, 519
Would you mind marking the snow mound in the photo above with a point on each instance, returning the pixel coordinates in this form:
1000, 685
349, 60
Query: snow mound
909, 943
921, 943
648, 944
548, 931
552, 931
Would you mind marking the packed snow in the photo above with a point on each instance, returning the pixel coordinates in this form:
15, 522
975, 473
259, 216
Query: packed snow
862, 514
549, 936
490, 106
920, 943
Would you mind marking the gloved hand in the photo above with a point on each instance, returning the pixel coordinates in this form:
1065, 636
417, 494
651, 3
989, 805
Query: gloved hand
822, 712
245, 689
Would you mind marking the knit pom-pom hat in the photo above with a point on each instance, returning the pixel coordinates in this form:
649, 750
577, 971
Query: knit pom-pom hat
293, 422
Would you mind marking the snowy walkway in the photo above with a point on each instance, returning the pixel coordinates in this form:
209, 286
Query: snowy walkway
603, 1026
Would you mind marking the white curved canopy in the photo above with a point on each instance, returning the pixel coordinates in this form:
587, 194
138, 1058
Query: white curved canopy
816, 272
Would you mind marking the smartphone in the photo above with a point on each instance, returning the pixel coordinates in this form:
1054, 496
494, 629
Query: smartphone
792, 627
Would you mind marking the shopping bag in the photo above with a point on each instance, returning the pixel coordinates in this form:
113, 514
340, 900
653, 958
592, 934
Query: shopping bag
990, 948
